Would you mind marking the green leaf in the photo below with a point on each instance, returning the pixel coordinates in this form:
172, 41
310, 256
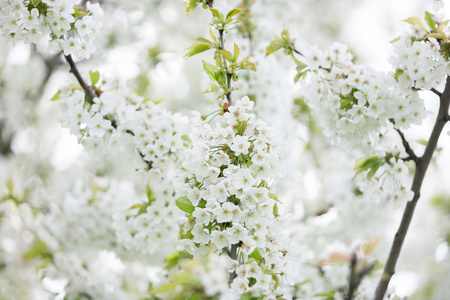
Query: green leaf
373, 163
79, 12
435, 35
39, 250
416, 21
210, 70
137, 205
275, 210
236, 52
35, 3
173, 259
163, 288
211, 34
198, 47
422, 142
245, 297
256, 255
95, 77
212, 88
185, 205
444, 36
233, 12
430, 21
57, 96
149, 193
249, 66
398, 72
189, 8
274, 46
215, 12
227, 54
274, 197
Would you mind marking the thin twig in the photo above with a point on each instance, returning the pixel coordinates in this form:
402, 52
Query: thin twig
74, 70
408, 149
422, 164
436, 92
295, 50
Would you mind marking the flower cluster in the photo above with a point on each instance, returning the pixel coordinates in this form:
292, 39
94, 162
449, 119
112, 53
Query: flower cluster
150, 226
69, 28
387, 182
356, 102
193, 278
123, 123
420, 61
118, 121
224, 188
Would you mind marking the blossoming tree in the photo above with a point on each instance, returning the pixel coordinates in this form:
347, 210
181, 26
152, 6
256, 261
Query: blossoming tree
280, 184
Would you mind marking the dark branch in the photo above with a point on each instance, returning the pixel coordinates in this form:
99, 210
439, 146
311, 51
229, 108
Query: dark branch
232, 253
408, 149
422, 164
352, 281
74, 70
436, 92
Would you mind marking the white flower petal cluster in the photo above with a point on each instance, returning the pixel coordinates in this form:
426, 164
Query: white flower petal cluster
437, 4
96, 276
124, 124
120, 121
389, 183
151, 228
355, 102
69, 28
226, 178
419, 61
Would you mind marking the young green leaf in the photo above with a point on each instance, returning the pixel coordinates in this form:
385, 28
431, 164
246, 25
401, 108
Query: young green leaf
416, 21
198, 47
236, 52
215, 12
233, 12
185, 205
256, 255
210, 70
227, 54
430, 21
95, 77
211, 34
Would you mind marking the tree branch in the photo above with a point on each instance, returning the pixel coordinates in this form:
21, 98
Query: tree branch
232, 253
74, 70
408, 149
436, 92
422, 164
352, 281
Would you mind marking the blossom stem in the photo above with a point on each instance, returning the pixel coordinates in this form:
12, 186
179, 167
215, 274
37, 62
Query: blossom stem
90, 93
422, 164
